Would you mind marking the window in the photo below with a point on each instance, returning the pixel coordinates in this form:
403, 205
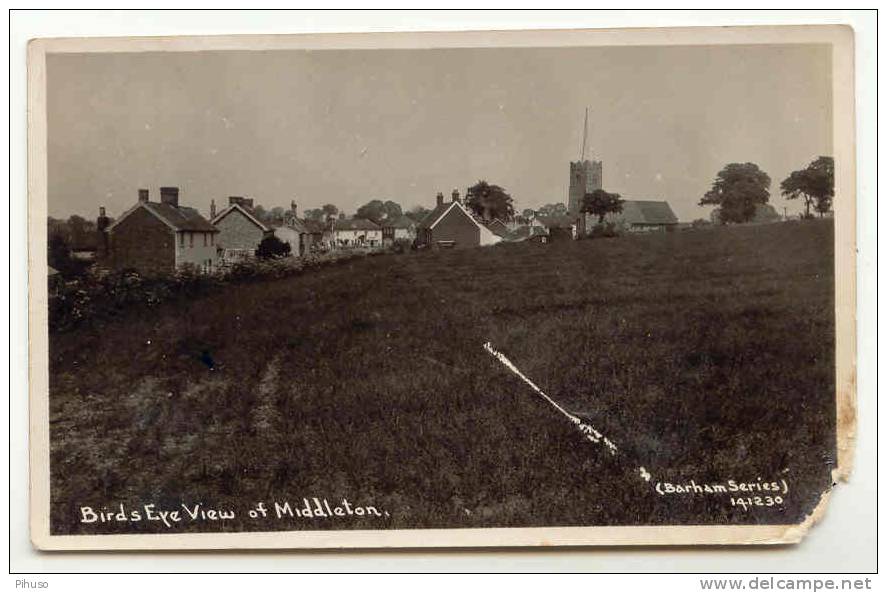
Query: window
212, 238
181, 239
204, 239
190, 239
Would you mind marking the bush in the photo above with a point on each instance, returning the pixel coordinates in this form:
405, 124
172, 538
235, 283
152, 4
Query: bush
272, 247
608, 229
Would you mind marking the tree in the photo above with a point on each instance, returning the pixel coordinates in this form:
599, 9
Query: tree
553, 210
329, 210
489, 201
417, 213
600, 203
271, 247
765, 213
377, 210
59, 253
737, 191
815, 183
528, 213
313, 214
276, 214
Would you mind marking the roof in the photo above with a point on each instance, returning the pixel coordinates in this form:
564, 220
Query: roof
401, 222
498, 227
428, 221
523, 233
647, 212
181, 218
245, 211
356, 224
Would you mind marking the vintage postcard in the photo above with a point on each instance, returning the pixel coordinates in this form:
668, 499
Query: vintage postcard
581, 287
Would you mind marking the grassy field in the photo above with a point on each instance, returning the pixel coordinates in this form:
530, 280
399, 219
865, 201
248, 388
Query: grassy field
704, 355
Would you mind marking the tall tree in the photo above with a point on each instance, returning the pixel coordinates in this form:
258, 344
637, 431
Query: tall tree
737, 191
815, 183
600, 203
489, 201
329, 210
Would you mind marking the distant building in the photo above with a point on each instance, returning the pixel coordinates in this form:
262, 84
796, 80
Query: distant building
638, 216
451, 225
304, 236
557, 228
533, 234
240, 230
498, 227
159, 238
356, 232
402, 227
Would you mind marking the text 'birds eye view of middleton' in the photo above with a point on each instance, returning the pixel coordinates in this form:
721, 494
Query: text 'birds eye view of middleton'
398, 289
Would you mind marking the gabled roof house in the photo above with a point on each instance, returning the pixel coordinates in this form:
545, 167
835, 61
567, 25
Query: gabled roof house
452, 225
161, 237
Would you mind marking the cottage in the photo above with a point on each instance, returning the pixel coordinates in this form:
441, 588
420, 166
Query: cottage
356, 232
451, 225
398, 228
160, 238
240, 230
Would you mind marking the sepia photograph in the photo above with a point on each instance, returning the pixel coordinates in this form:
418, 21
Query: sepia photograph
476, 289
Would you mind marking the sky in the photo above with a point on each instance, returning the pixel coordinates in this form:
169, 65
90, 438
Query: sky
349, 126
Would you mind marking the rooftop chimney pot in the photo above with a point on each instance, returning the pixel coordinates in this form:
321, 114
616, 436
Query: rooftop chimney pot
143, 195
170, 195
440, 198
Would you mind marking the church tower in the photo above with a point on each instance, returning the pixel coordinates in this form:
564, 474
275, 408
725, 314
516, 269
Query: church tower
585, 175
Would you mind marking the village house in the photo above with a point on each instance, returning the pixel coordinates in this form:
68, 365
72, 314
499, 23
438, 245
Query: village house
398, 228
159, 238
451, 225
240, 230
304, 236
356, 232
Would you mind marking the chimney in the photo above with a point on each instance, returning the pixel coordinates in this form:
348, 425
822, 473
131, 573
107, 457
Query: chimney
294, 209
234, 200
101, 224
169, 195
455, 195
212, 208
143, 195
440, 198
248, 202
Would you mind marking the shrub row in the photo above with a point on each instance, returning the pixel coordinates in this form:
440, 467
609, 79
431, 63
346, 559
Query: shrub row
101, 294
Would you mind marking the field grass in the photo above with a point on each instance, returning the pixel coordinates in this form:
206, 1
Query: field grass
704, 355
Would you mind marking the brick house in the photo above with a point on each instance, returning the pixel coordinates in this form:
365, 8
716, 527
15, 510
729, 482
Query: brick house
240, 230
160, 237
451, 225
